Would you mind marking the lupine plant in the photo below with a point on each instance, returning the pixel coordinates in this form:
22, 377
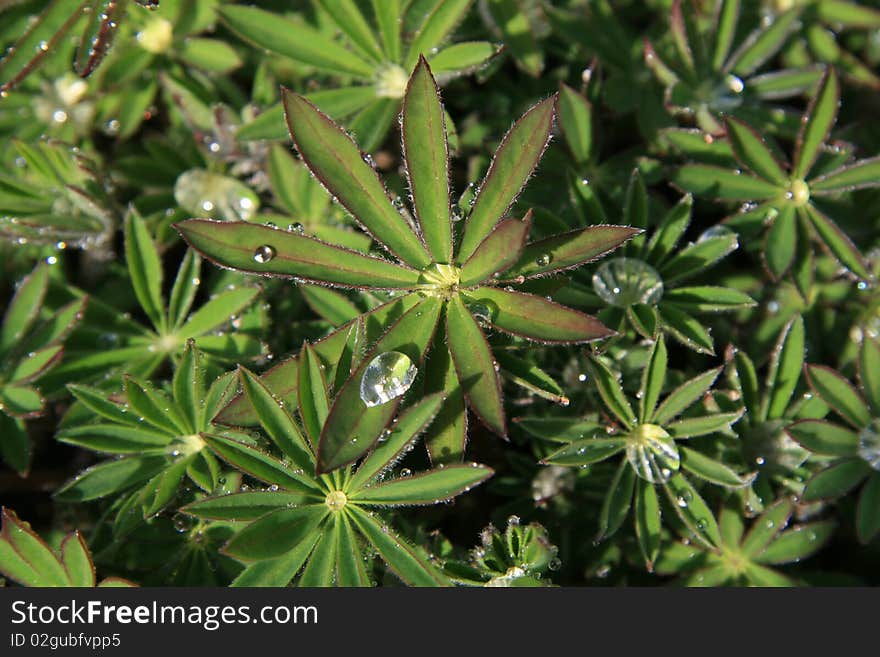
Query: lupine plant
276, 313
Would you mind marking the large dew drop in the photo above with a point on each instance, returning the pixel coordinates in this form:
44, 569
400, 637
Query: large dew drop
623, 282
869, 444
652, 453
208, 194
388, 376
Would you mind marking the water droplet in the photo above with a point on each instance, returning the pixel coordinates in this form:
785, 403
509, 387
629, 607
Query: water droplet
582, 377
715, 232
388, 376
406, 472
652, 453
221, 197
296, 228
513, 521
869, 444
182, 522
623, 282
543, 260
263, 254
735, 84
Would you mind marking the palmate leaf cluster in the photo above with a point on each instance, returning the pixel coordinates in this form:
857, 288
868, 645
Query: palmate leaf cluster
592, 284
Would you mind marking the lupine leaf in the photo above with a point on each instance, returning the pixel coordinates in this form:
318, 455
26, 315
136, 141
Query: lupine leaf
836, 480
576, 123
780, 244
425, 488
868, 510
839, 394
751, 150
314, 401
24, 307
653, 379
718, 183
684, 396
797, 543
586, 451
617, 502
144, 268
711, 470
249, 505
436, 25
611, 392
819, 119
858, 175
785, 368
336, 161
824, 438
516, 158
693, 510
647, 513
276, 533
498, 252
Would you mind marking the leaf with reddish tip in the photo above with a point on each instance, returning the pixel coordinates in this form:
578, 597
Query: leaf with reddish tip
429, 487
234, 244
839, 394
498, 252
576, 123
24, 308
858, 175
818, 120
751, 151
514, 161
425, 151
337, 162
314, 401
25, 557
569, 250
475, 366
352, 427
536, 318
825, 438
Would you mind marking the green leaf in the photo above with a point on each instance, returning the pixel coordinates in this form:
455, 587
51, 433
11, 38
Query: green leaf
186, 284
672, 227
797, 543
702, 425
429, 487
586, 451
617, 501
475, 365
77, 560
498, 252
336, 161
217, 311
858, 175
242, 506
837, 480
513, 163
35, 365
839, 394
407, 428
15, 447
753, 153
351, 21
21, 401
780, 245
438, 23
279, 571
693, 510
276, 421
154, 407
785, 368
328, 304
461, 58
276, 532
320, 569
446, 438
350, 563
569, 250
388, 17
159, 491
370, 126
763, 43
264, 250
725, 31
515, 29
648, 524
723, 184
838, 242
611, 392
684, 396
708, 299
260, 466
110, 477
653, 378
144, 268
848, 14
698, 256
825, 438
115, 439
314, 402
24, 308
868, 510
536, 318
97, 402
712, 470
426, 153
25, 557
869, 372
576, 123
353, 427
406, 561
269, 31
686, 329
529, 376
818, 120
768, 525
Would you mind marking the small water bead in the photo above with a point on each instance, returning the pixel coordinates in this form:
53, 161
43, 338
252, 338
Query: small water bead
182, 522
263, 254
735, 84
481, 312
623, 282
406, 472
388, 376
296, 228
715, 232
869, 444
652, 453
513, 521
221, 197
543, 260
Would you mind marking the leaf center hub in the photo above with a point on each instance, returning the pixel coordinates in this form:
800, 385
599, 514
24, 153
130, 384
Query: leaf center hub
441, 280
336, 500
391, 81
798, 193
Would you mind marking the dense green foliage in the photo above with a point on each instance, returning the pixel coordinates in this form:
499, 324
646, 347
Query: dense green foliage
603, 302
